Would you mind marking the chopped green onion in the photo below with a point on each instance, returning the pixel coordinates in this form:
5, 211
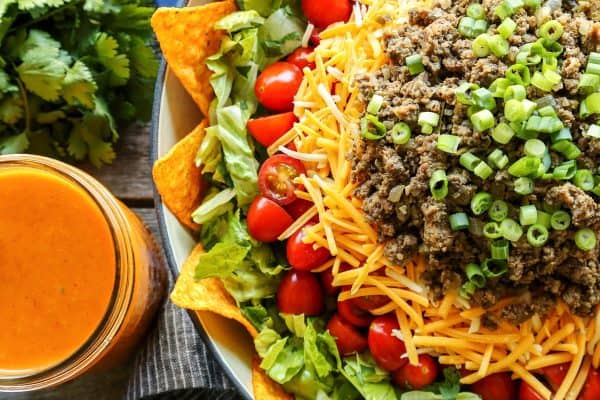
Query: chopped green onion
448, 143
594, 58
524, 186
543, 219
560, 220
427, 121
498, 45
533, 3
517, 92
589, 106
415, 64
584, 179
567, 148
483, 170
498, 159
467, 289
400, 133
502, 133
524, 166
499, 86
483, 120
506, 28
511, 230
494, 268
551, 30
459, 221
519, 74
375, 104
480, 45
530, 106
475, 275
514, 110
563, 134
594, 132
534, 148
469, 161
464, 93
528, 215
547, 111
588, 83
466, 27
585, 239
498, 210
565, 171
545, 81
476, 11
537, 235
481, 202
366, 131
593, 69
492, 230
593, 65
484, 99
499, 249
438, 184
544, 124
552, 51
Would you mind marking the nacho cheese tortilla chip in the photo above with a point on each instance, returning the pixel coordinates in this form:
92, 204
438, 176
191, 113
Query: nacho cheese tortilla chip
206, 294
187, 38
177, 178
264, 387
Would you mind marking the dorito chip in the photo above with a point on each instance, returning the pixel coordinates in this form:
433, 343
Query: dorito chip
206, 294
177, 178
187, 38
264, 387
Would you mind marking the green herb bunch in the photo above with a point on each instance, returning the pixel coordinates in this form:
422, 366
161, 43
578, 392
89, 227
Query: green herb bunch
71, 72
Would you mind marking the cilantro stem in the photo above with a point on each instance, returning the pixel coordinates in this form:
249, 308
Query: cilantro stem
23, 94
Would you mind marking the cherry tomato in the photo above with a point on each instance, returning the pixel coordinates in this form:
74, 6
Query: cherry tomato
276, 178
277, 85
303, 256
371, 302
300, 57
417, 376
266, 130
315, 39
327, 279
526, 392
555, 374
300, 293
347, 338
591, 388
298, 207
323, 13
356, 316
496, 387
267, 219
386, 348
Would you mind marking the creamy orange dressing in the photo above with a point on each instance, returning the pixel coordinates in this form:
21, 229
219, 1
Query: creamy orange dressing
57, 268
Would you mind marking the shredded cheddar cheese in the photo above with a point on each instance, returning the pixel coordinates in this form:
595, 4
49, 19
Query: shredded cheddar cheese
328, 108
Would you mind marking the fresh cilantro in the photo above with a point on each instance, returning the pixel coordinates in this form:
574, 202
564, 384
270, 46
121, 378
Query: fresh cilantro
71, 72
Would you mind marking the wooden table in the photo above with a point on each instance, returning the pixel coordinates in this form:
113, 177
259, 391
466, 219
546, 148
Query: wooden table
129, 179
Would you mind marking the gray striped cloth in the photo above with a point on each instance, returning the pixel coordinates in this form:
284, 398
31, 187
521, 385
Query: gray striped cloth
175, 364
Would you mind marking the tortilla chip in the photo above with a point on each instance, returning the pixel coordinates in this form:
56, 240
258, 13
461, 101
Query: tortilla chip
264, 387
177, 178
187, 38
206, 294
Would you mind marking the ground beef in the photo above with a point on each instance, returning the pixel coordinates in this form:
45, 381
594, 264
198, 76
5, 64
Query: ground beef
393, 180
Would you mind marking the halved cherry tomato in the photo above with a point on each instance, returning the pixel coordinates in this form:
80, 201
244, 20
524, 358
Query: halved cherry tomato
555, 374
277, 85
300, 293
323, 13
526, 392
386, 348
267, 219
591, 388
276, 178
370, 302
496, 387
347, 338
417, 376
300, 57
266, 130
356, 316
315, 39
298, 207
303, 256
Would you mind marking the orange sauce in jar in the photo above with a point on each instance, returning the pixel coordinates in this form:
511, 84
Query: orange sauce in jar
80, 275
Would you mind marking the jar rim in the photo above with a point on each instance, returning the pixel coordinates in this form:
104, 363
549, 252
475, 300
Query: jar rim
100, 341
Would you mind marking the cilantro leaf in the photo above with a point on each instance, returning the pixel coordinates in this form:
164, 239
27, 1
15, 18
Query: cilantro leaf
11, 110
42, 73
30, 4
14, 144
49, 117
5, 85
117, 64
79, 86
142, 58
4, 5
77, 147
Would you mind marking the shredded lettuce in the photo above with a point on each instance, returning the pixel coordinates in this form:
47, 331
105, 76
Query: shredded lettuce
216, 204
369, 380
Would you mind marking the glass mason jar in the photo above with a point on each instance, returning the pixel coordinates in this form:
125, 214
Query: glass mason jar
139, 285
